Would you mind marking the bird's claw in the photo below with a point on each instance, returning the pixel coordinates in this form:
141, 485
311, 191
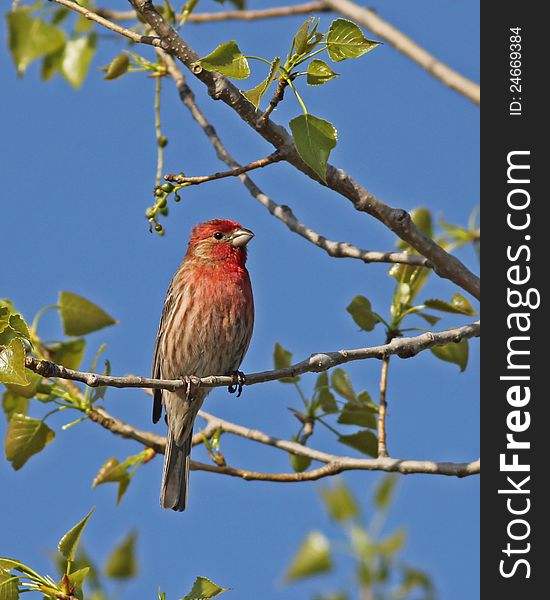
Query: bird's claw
191, 384
239, 379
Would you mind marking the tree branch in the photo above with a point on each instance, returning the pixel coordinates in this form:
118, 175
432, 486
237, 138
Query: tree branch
235, 172
406, 46
280, 211
402, 347
397, 220
230, 15
333, 464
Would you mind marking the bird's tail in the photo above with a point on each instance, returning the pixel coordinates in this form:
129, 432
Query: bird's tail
175, 474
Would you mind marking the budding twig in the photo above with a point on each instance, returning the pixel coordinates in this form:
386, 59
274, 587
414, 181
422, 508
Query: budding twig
257, 164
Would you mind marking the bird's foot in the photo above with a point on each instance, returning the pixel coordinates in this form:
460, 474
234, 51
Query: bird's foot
192, 384
239, 379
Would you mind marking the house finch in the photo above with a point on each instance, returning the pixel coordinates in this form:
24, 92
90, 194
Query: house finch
205, 329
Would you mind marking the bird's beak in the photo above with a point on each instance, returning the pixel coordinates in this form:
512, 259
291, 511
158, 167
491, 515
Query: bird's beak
240, 237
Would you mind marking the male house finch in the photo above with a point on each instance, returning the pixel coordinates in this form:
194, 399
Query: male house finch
205, 329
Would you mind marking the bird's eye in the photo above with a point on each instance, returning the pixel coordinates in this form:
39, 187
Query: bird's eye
218, 235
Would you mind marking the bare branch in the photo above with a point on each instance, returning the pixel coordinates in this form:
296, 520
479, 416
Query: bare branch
406, 46
281, 211
231, 15
235, 172
397, 220
402, 347
333, 464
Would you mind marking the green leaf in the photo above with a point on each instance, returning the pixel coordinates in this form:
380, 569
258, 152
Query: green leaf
122, 563
299, 463
458, 305
365, 441
13, 404
228, 60
30, 38
462, 304
24, 438
361, 311
68, 354
29, 390
77, 577
12, 363
411, 279
391, 544
431, 319
384, 492
302, 36
314, 139
204, 589
356, 414
312, 558
76, 59
453, 353
282, 359
341, 384
69, 542
12, 325
340, 502
51, 64
346, 40
117, 67
255, 94
318, 72
110, 471
80, 316
324, 396
8, 585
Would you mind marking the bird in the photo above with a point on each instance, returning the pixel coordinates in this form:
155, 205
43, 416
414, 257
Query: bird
205, 329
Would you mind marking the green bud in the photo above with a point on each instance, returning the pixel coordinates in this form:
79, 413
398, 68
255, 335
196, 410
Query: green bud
118, 67
162, 140
167, 187
163, 211
158, 192
150, 212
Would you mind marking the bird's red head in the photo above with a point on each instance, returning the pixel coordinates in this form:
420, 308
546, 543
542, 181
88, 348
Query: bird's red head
219, 240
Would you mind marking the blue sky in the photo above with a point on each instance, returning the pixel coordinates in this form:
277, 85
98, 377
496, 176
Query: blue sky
77, 172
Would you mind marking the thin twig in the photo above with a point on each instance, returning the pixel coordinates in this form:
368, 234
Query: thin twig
230, 15
402, 347
383, 406
93, 16
277, 97
235, 172
158, 132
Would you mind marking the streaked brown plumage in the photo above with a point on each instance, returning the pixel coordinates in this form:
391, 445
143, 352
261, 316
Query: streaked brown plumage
205, 329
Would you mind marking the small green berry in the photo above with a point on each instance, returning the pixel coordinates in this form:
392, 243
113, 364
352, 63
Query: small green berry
177, 197
158, 227
158, 192
162, 141
167, 187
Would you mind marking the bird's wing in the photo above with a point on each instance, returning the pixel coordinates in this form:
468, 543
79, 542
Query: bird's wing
157, 358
